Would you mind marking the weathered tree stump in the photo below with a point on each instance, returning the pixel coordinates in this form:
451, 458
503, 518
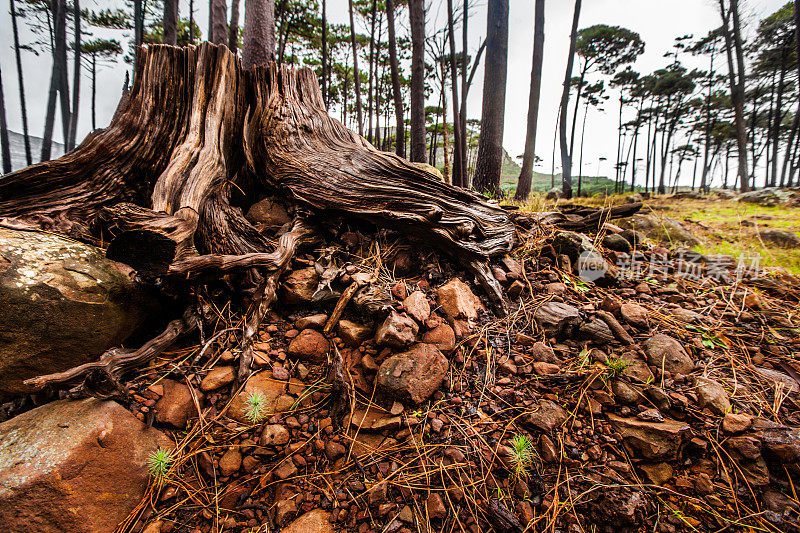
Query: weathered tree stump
200, 139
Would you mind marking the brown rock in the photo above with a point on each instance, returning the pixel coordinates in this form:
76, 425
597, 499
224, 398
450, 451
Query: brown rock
549, 416
712, 395
353, 333
176, 407
515, 289
315, 521
657, 473
442, 336
275, 435
334, 450
218, 377
313, 321
542, 369
272, 391
667, 353
285, 470
635, 315
436, 508
268, 213
285, 510
299, 286
230, 462
417, 306
309, 345
736, 423
78, 466
413, 375
458, 301
651, 440
543, 353
398, 330
62, 304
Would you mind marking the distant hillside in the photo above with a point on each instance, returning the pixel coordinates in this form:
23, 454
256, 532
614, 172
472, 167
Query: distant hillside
17, 144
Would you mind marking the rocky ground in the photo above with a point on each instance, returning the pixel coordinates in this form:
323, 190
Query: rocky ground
631, 387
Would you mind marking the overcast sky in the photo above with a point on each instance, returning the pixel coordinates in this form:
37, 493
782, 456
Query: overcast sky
657, 21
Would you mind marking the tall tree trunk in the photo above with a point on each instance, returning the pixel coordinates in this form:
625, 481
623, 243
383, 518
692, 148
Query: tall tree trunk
778, 118
580, 159
171, 22
464, 90
259, 33
94, 90
76, 76
445, 134
489, 164
787, 156
63, 81
736, 83
704, 183
618, 166
371, 77
20, 82
459, 154
191, 21
400, 137
418, 144
529, 155
217, 14
138, 30
325, 67
356, 75
5, 149
56, 76
233, 27
566, 157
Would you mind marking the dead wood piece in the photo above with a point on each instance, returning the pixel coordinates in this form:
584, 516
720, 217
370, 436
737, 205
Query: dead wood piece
616, 328
344, 299
585, 218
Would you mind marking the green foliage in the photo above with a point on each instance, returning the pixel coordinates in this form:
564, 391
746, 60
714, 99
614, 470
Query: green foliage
608, 47
522, 454
159, 462
616, 366
255, 407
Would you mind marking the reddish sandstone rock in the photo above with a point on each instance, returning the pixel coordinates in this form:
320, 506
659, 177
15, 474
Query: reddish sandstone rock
413, 375
417, 306
398, 330
353, 333
309, 345
442, 336
316, 521
459, 304
78, 466
176, 406
299, 286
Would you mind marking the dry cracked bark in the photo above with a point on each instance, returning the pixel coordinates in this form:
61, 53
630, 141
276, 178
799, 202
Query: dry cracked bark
200, 138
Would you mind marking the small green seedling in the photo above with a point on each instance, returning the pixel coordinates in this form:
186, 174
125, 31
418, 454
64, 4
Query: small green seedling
255, 407
158, 462
522, 454
616, 366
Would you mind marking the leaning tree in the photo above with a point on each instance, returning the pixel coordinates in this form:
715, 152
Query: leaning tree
198, 139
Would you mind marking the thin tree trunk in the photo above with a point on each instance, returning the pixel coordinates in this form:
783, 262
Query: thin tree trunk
790, 143
259, 33
418, 136
94, 90
464, 90
776, 133
566, 158
191, 22
459, 163
737, 84
23, 106
356, 76
489, 164
706, 163
400, 137
371, 62
63, 78
171, 22
445, 134
138, 31
5, 149
618, 167
76, 76
55, 81
325, 67
233, 27
529, 155
580, 159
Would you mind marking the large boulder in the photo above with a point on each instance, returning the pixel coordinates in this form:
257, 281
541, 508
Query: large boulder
413, 375
660, 228
70, 304
78, 466
770, 196
782, 238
